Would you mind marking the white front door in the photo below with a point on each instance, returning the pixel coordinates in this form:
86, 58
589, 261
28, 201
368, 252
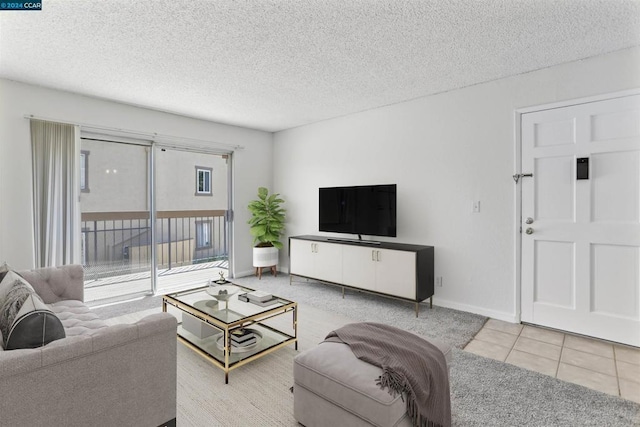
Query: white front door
581, 260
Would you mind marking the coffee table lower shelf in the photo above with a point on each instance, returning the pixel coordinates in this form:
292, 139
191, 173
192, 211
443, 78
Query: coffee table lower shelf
220, 323
271, 340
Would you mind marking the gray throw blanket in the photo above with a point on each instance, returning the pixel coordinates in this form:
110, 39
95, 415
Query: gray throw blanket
410, 365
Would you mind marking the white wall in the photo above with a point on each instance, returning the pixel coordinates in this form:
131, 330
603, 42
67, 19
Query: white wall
443, 152
252, 166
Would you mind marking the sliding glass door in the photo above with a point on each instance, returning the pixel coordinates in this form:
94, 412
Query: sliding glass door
138, 200
192, 232
116, 227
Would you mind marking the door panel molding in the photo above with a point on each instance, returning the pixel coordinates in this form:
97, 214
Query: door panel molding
600, 225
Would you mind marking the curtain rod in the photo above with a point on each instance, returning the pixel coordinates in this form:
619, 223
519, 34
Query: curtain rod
155, 137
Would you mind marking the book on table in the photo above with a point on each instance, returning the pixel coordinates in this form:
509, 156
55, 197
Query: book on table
259, 296
242, 335
266, 303
246, 343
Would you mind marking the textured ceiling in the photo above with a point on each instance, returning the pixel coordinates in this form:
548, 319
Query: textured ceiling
274, 65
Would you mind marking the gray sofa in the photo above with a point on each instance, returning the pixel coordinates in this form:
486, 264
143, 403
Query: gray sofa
98, 375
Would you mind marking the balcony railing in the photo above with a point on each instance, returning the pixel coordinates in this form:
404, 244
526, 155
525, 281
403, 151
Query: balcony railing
118, 243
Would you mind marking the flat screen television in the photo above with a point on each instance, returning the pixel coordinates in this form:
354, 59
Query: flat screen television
364, 209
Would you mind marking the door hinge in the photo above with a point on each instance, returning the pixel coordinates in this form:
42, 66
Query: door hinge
517, 176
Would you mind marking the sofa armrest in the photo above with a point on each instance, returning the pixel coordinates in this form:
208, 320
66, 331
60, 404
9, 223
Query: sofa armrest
119, 375
57, 283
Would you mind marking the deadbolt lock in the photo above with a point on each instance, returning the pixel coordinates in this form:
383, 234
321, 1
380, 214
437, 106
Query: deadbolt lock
529, 220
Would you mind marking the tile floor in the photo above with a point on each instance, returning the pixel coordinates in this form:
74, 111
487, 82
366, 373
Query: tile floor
601, 365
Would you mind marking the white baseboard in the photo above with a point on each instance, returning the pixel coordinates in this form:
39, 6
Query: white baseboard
499, 315
244, 273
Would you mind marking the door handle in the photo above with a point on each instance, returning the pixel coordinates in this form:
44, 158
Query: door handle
373, 255
529, 230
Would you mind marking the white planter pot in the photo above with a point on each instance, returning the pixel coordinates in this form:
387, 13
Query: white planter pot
265, 257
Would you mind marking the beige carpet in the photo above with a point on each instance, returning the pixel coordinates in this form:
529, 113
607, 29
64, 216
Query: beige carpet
258, 393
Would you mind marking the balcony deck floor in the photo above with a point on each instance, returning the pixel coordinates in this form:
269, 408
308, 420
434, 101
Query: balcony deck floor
169, 280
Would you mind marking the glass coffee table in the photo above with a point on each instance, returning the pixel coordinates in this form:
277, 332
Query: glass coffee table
231, 333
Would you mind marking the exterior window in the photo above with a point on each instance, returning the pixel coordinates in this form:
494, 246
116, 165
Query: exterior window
203, 181
203, 234
84, 171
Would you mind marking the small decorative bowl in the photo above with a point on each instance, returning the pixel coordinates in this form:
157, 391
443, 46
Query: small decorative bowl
222, 293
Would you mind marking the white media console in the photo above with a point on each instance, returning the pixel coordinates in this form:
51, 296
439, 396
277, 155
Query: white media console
390, 269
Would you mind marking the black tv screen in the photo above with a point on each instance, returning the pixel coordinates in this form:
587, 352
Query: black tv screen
364, 209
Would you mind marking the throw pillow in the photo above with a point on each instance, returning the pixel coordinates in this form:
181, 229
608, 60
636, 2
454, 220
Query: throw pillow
5, 285
4, 270
34, 326
14, 290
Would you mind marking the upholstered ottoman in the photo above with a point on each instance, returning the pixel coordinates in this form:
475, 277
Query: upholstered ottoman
334, 388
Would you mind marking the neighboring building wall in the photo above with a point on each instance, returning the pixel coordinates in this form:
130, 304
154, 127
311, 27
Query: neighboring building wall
117, 177
176, 181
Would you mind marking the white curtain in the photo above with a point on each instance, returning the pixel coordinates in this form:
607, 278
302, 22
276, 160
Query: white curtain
56, 209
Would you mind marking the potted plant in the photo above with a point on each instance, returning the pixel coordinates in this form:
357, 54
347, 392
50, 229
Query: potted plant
267, 225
